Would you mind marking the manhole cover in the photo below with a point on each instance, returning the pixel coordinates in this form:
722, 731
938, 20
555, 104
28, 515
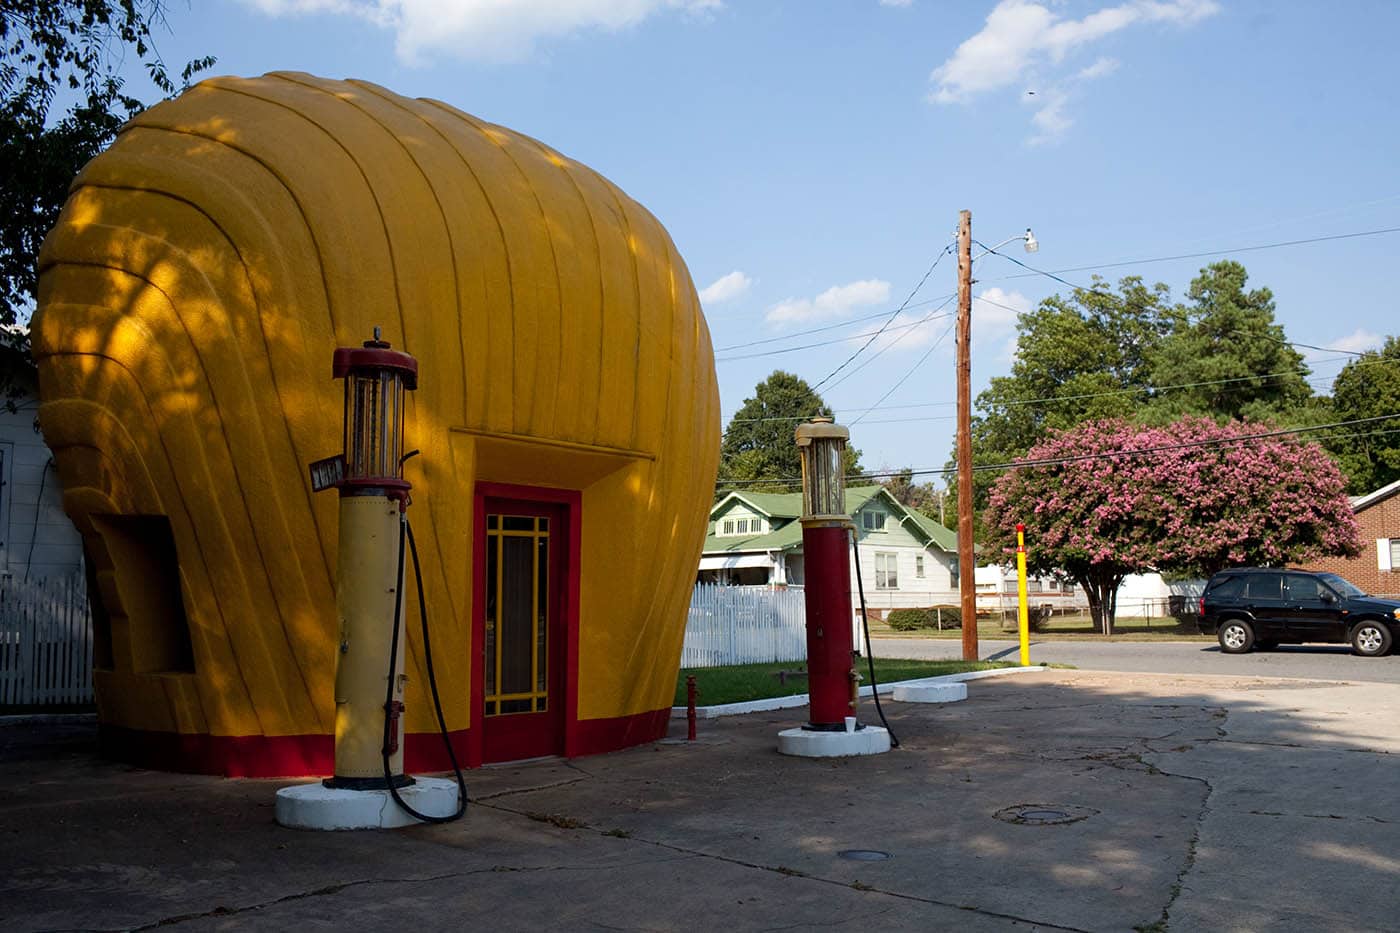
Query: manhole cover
863, 855
1044, 814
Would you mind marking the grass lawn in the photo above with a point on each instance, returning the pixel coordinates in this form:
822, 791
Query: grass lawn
1065, 628
739, 682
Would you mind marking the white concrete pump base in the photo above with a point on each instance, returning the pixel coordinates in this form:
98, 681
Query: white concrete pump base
870, 740
315, 806
930, 693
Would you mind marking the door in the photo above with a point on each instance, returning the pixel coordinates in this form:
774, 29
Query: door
1313, 610
1263, 599
521, 552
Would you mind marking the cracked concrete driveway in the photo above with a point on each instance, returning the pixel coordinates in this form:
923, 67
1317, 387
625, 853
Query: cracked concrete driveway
1208, 803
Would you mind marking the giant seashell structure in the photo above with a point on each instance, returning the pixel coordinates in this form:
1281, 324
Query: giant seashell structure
191, 294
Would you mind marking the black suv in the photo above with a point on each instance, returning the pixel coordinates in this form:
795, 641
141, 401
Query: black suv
1254, 608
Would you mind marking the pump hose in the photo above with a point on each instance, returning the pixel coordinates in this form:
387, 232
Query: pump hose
870, 651
406, 531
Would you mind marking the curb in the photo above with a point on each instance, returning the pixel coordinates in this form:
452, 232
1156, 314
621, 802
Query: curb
800, 699
26, 719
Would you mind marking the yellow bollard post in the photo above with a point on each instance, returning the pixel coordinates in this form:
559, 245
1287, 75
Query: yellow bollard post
1022, 609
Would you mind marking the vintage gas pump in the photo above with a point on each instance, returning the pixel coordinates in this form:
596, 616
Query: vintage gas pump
369, 678
369, 574
833, 728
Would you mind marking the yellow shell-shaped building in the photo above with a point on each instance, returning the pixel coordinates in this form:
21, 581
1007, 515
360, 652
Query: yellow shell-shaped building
200, 276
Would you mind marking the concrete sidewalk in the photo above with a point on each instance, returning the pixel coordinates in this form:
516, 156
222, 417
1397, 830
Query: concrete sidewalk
1197, 804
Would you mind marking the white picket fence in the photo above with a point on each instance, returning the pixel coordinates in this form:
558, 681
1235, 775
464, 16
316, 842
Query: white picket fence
45, 642
744, 625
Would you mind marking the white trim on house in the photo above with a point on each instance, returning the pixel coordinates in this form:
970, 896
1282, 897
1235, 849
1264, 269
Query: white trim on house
734, 561
1371, 498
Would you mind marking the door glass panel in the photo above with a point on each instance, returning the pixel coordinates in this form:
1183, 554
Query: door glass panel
517, 615
1264, 586
1304, 589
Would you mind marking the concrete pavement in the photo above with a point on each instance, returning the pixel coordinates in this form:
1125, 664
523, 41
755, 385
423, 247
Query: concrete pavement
1198, 803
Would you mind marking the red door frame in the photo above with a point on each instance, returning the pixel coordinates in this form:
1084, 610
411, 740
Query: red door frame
571, 503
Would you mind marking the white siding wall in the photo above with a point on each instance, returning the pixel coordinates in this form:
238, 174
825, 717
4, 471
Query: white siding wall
936, 587
35, 534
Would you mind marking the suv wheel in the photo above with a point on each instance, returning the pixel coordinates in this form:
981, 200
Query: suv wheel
1236, 636
1370, 639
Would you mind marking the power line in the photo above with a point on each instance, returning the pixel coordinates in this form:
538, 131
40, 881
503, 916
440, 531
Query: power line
937, 259
1136, 390
1120, 302
1080, 458
826, 343
818, 330
913, 369
1203, 254
880, 352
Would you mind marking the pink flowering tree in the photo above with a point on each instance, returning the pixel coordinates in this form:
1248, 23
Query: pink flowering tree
1109, 498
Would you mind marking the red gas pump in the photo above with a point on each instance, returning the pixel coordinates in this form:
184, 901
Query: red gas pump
832, 729
826, 528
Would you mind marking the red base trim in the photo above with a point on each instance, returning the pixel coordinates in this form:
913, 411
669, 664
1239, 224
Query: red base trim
228, 755
258, 756
595, 736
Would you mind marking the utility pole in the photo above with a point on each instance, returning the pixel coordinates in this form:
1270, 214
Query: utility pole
967, 559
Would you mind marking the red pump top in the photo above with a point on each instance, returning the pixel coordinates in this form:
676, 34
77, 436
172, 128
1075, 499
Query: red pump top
375, 354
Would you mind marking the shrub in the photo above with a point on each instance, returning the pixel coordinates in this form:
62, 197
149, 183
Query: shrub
910, 620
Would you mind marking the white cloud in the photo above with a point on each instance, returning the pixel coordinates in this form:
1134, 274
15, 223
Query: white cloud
1050, 119
1099, 69
1023, 38
896, 2
484, 30
835, 302
725, 288
994, 314
1358, 341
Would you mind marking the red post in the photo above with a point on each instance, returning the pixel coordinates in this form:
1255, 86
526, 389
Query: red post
826, 548
690, 694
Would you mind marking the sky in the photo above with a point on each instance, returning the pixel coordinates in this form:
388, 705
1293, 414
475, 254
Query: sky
810, 158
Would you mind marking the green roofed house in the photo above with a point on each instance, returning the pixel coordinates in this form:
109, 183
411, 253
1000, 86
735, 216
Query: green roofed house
906, 558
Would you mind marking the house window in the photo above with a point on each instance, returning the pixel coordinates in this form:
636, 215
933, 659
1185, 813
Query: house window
1388, 553
1034, 586
919, 566
886, 571
743, 526
873, 520
728, 527
953, 572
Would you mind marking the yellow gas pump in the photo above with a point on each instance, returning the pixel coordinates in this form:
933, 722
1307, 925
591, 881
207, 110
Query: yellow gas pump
369, 568
369, 683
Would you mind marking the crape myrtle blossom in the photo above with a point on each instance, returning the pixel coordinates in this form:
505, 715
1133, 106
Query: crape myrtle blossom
1233, 500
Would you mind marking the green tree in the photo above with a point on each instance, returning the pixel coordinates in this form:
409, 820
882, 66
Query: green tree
54, 51
922, 497
1227, 355
1078, 358
758, 451
1368, 387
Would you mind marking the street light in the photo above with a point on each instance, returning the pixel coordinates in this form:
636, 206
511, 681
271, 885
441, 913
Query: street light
1032, 245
